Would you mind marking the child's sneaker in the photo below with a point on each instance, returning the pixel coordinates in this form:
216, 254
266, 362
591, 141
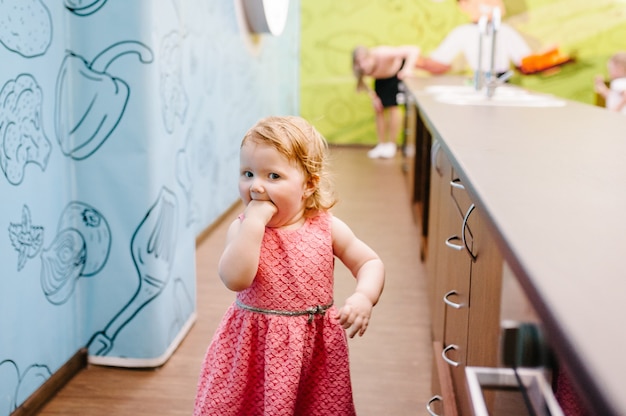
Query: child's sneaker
389, 150
377, 151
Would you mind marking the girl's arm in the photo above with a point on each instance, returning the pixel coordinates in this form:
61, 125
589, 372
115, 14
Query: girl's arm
362, 86
432, 66
410, 54
369, 271
600, 86
622, 102
240, 259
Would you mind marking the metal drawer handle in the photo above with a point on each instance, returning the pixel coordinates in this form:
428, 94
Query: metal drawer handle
463, 228
445, 358
434, 152
452, 245
435, 398
456, 183
449, 302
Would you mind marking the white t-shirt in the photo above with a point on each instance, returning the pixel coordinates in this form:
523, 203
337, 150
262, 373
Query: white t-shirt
510, 47
617, 88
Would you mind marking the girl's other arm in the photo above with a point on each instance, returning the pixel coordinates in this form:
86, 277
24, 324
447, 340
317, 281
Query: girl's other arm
432, 66
600, 86
622, 103
411, 55
369, 271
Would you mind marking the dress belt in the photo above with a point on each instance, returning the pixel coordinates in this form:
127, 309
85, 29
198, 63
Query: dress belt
312, 311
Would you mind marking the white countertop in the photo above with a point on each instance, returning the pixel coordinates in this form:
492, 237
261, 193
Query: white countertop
551, 182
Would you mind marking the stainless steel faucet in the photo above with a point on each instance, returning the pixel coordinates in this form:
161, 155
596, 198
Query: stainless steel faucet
478, 72
489, 79
494, 26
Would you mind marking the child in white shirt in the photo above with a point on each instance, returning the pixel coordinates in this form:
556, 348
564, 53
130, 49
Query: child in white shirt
615, 93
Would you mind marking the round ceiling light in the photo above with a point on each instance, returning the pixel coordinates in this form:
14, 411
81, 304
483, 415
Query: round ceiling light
266, 16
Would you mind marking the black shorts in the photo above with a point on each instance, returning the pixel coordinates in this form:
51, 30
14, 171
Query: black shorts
387, 90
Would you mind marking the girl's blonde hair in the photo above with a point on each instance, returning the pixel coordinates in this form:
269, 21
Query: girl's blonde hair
359, 53
303, 145
619, 60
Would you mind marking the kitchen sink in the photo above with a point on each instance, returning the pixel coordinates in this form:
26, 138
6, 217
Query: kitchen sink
503, 96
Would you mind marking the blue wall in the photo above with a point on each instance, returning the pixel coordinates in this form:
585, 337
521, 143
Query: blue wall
120, 124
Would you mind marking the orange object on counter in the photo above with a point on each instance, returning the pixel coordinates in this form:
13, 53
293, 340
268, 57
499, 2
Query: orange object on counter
540, 62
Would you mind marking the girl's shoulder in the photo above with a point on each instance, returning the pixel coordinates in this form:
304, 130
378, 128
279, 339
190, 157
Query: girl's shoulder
320, 221
618, 84
321, 217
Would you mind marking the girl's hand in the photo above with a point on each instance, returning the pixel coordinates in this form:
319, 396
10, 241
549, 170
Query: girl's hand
600, 85
376, 103
405, 73
355, 314
260, 210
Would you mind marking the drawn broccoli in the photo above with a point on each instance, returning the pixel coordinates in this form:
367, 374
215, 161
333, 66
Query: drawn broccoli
22, 139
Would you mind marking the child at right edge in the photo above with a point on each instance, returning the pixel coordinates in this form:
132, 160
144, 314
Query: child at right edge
615, 93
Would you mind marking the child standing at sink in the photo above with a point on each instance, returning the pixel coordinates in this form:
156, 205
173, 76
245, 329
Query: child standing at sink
464, 40
281, 348
387, 65
615, 93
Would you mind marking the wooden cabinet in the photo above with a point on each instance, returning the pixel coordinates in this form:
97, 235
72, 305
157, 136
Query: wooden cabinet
416, 166
464, 270
436, 259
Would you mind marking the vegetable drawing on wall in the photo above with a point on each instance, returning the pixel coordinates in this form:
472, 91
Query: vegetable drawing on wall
84, 8
80, 249
22, 139
90, 102
26, 238
19, 385
174, 100
31, 39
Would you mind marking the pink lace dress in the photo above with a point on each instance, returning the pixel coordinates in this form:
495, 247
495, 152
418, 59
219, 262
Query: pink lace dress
278, 350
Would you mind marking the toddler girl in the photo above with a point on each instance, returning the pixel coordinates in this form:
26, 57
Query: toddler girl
281, 348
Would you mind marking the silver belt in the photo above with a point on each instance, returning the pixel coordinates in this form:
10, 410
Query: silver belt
312, 311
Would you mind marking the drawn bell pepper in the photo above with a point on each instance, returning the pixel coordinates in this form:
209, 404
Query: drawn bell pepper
89, 101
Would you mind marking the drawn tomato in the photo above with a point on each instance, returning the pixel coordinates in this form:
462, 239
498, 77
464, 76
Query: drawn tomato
94, 230
81, 248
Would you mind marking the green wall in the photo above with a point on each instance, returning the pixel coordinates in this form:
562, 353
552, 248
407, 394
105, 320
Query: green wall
589, 31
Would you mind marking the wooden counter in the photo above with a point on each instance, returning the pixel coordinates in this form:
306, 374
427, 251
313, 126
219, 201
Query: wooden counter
550, 182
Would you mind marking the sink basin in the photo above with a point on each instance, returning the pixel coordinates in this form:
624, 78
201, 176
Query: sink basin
449, 89
503, 96
510, 100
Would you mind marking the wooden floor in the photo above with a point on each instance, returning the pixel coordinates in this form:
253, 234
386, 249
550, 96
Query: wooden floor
391, 364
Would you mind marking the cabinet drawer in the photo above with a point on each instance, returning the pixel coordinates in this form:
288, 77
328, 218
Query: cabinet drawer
459, 194
444, 397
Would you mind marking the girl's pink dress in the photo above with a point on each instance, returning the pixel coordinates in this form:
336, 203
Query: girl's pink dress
261, 363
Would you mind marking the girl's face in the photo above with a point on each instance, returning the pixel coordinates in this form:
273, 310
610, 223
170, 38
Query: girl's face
267, 175
615, 70
476, 8
364, 62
